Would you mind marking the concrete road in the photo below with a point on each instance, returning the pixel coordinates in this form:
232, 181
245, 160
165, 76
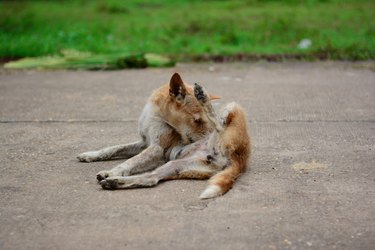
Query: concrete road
311, 184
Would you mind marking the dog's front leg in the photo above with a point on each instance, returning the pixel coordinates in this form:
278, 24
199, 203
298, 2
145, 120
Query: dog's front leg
118, 151
148, 159
178, 169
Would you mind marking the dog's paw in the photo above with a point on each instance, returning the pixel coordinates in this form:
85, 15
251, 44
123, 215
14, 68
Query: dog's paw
102, 175
110, 183
200, 93
87, 156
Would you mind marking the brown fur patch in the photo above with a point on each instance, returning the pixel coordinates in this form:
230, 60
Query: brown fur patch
169, 140
227, 177
193, 174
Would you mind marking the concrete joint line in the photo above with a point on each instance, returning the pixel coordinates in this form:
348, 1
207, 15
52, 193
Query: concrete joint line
70, 121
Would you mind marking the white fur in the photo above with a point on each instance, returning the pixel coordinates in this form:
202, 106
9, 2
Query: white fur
210, 192
225, 112
88, 156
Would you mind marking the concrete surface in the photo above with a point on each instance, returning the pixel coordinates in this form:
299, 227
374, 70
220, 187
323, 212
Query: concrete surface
311, 184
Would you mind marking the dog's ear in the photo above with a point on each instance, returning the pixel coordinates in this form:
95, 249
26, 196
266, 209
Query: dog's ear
177, 87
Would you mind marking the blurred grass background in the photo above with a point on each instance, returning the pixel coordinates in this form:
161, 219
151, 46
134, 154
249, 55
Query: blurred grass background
338, 29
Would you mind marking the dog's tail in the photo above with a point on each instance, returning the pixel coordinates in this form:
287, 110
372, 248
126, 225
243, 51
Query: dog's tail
221, 182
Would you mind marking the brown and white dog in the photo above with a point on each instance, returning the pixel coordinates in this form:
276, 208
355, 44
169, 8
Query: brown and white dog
181, 138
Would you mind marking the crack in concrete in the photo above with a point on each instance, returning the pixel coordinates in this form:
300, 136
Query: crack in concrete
69, 121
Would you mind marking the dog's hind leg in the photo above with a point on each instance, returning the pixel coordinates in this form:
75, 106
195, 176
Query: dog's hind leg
113, 152
203, 97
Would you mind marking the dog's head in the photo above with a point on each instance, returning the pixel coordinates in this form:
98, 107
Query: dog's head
186, 114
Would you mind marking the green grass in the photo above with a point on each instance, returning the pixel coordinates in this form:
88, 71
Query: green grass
338, 29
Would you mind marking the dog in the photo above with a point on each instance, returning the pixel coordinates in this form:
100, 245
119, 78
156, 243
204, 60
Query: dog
172, 117
221, 156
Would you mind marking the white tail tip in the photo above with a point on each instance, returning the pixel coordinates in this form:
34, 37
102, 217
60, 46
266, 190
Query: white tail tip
210, 192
